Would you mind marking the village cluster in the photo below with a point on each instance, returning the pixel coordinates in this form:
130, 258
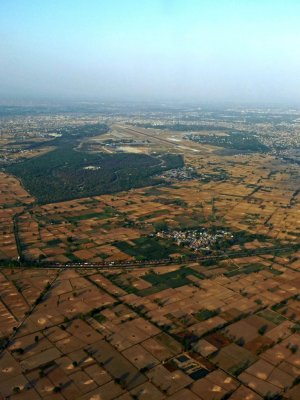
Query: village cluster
196, 239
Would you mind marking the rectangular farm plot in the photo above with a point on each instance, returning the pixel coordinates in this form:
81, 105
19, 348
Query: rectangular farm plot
116, 364
146, 248
233, 359
173, 279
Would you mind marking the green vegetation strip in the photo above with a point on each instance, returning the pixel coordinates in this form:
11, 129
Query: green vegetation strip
172, 279
146, 248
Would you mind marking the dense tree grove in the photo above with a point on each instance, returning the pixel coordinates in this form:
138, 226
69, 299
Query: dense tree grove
66, 173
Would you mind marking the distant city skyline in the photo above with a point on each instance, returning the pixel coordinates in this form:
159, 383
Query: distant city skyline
161, 50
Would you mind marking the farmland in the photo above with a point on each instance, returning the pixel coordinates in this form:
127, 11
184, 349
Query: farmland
258, 209
127, 332
147, 257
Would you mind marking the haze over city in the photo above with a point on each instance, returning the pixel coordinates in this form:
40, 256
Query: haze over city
152, 50
149, 200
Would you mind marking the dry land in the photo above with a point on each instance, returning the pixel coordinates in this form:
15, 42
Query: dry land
183, 286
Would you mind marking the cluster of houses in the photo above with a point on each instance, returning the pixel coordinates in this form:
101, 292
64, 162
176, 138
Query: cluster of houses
196, 239
180, 174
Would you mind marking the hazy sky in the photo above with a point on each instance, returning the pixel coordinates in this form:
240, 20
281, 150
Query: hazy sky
189, 50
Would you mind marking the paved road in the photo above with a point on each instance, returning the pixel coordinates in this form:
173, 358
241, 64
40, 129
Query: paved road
156, 263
